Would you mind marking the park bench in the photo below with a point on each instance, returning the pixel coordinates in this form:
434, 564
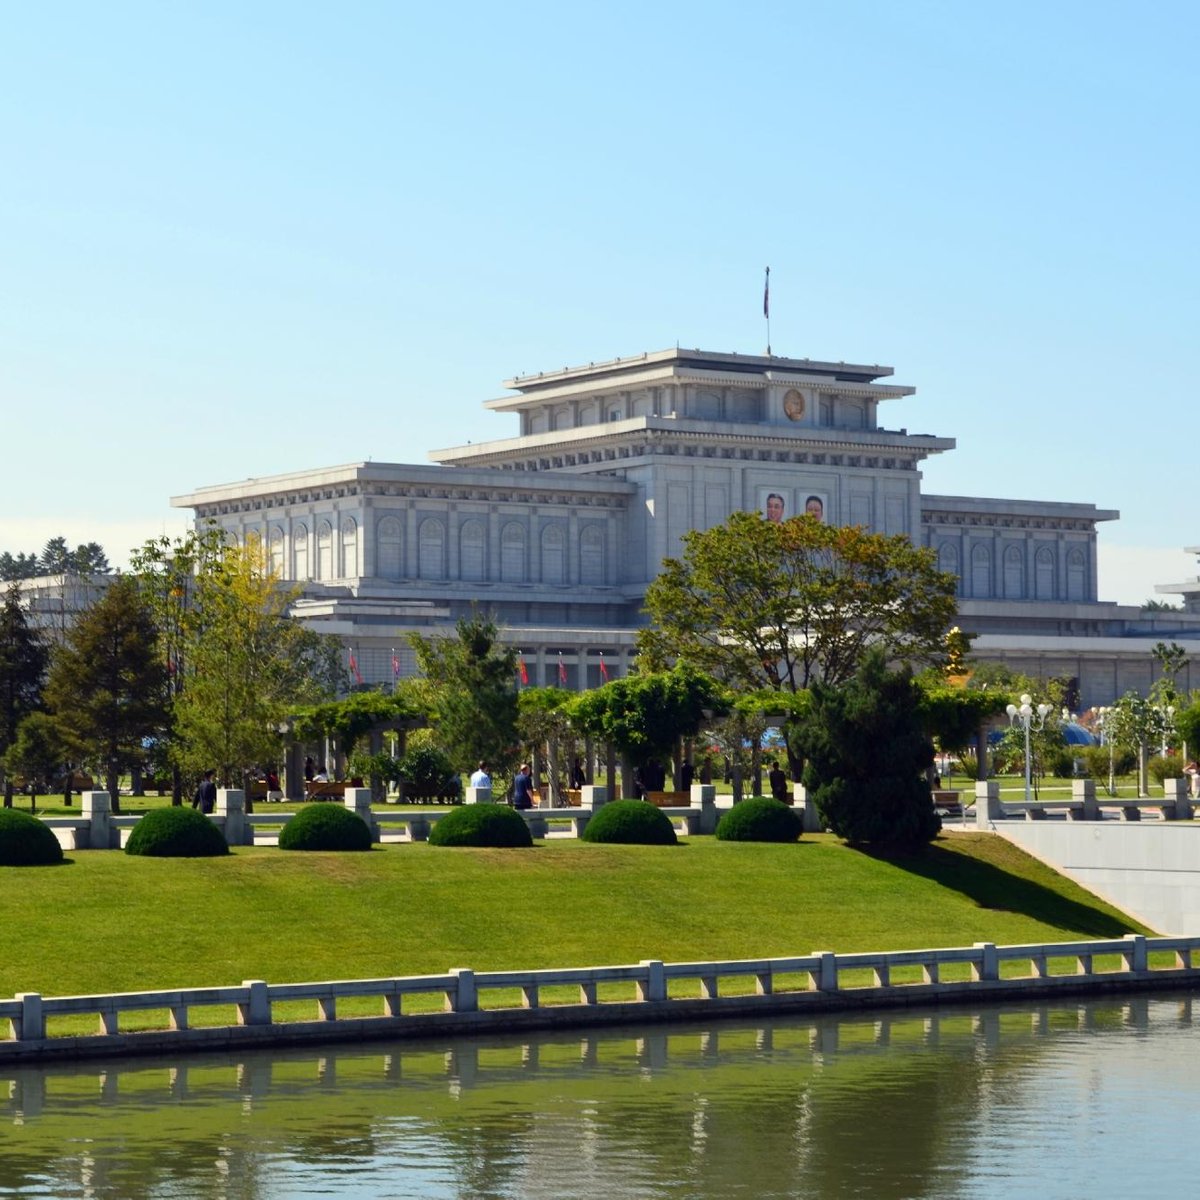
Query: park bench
669, 799
324, 789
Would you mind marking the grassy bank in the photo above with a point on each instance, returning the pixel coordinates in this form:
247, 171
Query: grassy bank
106, 922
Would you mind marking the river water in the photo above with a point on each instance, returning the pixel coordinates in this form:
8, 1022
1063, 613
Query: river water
1097, 1099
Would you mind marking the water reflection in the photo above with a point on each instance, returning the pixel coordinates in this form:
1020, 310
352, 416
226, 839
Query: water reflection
933, 1104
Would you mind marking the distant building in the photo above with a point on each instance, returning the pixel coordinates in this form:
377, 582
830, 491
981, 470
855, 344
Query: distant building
52, 602
559, 529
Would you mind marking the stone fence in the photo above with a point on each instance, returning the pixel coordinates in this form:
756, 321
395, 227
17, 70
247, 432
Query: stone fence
98, 828
651, 990
1083, 805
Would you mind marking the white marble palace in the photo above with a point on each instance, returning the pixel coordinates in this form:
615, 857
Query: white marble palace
558, 530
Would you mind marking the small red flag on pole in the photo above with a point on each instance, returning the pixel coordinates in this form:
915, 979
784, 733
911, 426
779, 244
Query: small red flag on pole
522, 671
354, 668
395, 663
603, 668
562, 669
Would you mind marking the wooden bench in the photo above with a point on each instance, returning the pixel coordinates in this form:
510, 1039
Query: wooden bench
315, 789
669, 799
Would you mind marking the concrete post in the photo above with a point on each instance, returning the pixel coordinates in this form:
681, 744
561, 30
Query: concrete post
655, 987
231, 804
593, 796
987, 804
1175, 795
97, 808
257, 1008
989, 965
418, 827
537, 826
358, 801
704, 798
30, 1026
1084, 791
478, 795
465, 997
1135, 957
827, 973
810, 819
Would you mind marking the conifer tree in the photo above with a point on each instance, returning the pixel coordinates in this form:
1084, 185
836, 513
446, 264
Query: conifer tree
23, 658
867, 755
106, 682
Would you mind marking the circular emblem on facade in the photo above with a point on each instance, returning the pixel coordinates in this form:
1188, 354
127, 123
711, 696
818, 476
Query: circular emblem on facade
793, 405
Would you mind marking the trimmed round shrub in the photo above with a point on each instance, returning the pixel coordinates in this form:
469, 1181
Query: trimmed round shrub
325, 827
759, 819
26, 842
632, 823
481, 825
176, 833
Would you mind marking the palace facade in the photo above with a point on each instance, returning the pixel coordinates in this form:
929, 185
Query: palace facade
558, 530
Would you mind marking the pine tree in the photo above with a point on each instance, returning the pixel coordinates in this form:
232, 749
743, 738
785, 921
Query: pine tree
106, 682
474, 682
23, 657
867, 755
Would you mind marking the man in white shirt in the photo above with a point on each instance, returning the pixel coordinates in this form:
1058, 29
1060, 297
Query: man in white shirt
481, 778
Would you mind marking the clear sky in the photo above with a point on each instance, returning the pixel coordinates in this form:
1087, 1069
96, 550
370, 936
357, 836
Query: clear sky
243, 239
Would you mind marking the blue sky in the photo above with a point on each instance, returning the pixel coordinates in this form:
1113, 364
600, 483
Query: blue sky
237, 240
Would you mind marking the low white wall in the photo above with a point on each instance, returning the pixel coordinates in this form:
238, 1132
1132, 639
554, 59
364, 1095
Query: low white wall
1148, 869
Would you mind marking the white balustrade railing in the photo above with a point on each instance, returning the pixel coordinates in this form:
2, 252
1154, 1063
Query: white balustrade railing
652, 988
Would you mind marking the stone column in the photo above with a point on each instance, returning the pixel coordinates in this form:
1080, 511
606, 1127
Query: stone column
810, 819
704, 798
231, 804
1175, 800
1084, 791
593, 797
987, 804
97, 808
478, 795
358, 801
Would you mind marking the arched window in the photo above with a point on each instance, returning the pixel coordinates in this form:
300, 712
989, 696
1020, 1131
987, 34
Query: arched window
432, 549
512, 553
1043, 573
389, 560
1076, 575
275, 551
981, 571
554, 555
591, 555
300, 552
324, 550
947, 557
1014, 573
348, 564
471, 559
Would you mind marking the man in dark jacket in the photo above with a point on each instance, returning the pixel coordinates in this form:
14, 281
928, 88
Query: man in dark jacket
206, 794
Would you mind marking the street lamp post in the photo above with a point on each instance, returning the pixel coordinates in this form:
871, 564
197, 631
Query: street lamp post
1105, 736
1168, 715
1028, 718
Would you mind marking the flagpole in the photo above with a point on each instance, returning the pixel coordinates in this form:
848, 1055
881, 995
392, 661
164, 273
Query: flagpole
767, 308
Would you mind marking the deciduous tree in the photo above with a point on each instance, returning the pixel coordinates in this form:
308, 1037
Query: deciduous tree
779, 605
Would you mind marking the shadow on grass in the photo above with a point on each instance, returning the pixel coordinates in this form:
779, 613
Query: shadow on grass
993, 887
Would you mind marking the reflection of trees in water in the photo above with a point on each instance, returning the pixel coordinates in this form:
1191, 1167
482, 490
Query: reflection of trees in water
789, 1107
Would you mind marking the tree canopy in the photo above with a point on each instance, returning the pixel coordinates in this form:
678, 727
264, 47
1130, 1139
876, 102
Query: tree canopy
23, 659
644, 715
245, 663
779, 605
866, 756
106, 683
473, 689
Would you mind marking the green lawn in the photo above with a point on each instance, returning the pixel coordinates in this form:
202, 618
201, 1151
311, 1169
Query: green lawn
108, 922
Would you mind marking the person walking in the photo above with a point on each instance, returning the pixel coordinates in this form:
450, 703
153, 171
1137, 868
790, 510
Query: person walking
523, 787
480, 777
205, 798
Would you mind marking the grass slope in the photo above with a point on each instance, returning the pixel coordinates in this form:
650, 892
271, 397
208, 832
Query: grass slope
105, 922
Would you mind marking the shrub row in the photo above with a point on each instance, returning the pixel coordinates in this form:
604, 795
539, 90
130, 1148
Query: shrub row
185, 833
